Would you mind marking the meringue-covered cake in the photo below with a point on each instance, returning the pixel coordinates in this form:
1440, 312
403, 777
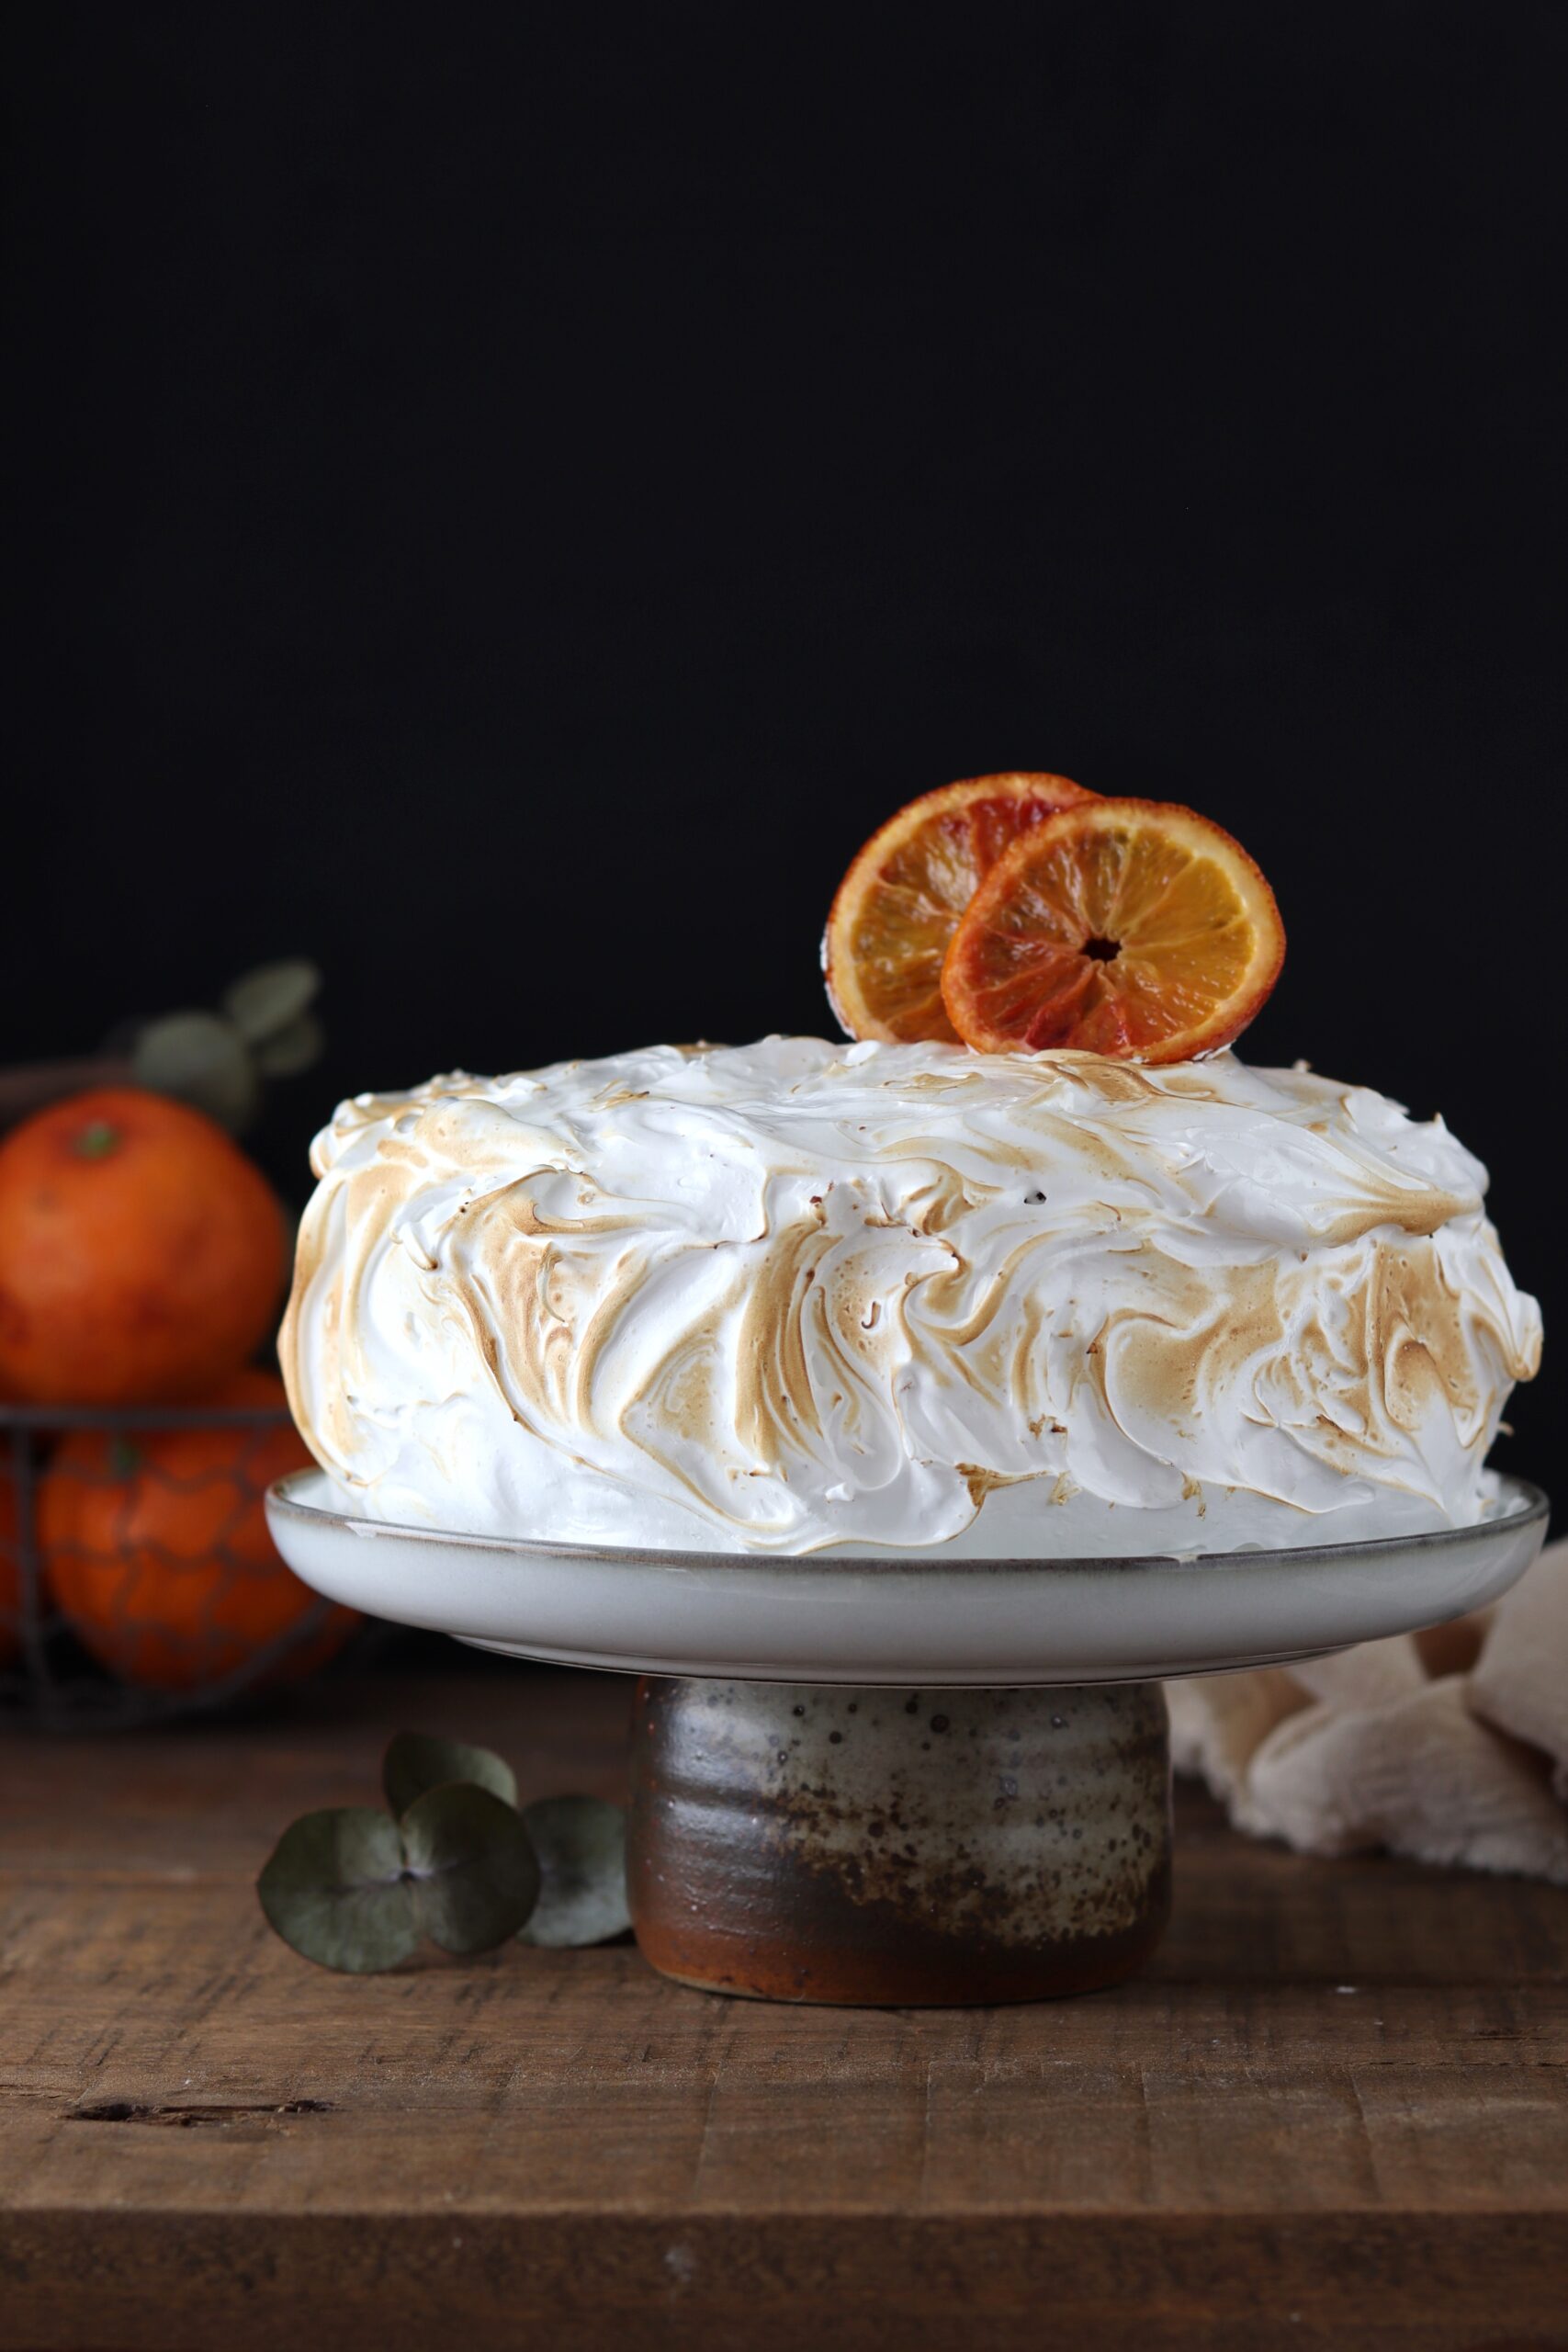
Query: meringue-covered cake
799, 1296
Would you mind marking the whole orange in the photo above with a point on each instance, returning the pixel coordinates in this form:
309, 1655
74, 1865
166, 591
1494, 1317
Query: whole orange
141, 1254
157, 1549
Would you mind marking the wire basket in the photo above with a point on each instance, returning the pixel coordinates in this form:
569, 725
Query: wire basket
173, 1616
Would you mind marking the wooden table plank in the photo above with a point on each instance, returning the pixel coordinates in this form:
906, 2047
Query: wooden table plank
1341, 2093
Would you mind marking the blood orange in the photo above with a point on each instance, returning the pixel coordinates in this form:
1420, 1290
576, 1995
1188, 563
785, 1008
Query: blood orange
1126, 927
899, 904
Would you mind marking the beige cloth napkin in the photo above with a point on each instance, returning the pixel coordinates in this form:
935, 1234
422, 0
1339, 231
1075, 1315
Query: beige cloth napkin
1450, 1746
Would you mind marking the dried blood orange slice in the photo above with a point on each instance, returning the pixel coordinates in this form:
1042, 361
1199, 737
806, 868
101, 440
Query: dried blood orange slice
899, 904
1123, 927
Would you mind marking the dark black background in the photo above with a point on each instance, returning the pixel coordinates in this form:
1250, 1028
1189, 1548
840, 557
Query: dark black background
507, 497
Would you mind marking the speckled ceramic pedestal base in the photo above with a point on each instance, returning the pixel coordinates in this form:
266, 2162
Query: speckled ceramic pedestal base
873, 1846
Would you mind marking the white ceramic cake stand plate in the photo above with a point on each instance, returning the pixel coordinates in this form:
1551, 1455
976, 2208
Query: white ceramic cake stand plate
911, 1619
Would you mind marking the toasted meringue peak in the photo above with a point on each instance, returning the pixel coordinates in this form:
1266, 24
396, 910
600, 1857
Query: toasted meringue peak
795, 1294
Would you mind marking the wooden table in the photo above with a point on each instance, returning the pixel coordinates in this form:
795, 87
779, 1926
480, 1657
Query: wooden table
1336, 2111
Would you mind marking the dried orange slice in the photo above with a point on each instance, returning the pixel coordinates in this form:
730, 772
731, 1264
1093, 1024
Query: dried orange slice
899, 904
1124, 927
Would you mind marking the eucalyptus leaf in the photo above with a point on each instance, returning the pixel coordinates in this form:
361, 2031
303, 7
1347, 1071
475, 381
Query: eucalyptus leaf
472, 1866
334, 1889
415, 1761
292, 1048
200, 1058
582, 1845
262, 1002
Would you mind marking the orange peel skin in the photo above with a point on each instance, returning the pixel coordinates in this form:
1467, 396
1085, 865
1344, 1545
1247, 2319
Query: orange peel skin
1132, 928
896, 911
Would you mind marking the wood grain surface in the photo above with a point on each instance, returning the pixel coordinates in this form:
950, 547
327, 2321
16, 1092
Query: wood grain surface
1333, 2112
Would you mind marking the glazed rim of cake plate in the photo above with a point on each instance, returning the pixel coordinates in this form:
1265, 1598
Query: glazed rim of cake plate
904, 1619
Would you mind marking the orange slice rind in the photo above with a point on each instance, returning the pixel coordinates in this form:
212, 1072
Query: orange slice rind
1133, 928
897, 907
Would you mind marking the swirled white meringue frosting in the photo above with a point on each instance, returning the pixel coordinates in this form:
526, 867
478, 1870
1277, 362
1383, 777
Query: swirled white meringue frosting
795, 1294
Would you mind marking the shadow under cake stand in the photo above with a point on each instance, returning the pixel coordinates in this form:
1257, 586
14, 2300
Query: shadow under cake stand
900, 1778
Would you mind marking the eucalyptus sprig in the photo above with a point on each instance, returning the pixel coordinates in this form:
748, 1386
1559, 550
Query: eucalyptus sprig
453, 1860
266, 1027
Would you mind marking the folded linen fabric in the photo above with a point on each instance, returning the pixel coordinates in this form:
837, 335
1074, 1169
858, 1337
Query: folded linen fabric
1450, 1747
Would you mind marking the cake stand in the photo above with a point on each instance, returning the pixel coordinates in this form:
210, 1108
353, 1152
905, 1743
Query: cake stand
899, 1777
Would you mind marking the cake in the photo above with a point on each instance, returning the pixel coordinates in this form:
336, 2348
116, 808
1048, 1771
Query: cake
801, 1296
